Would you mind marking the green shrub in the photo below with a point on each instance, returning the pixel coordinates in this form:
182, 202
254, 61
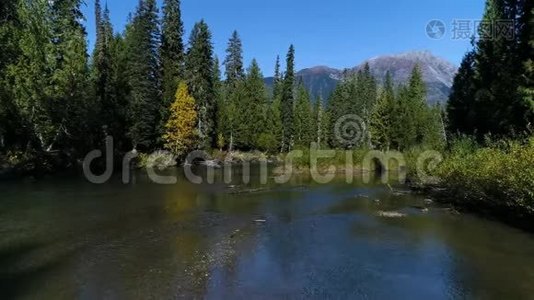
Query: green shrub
502, 176
158, 159
268, 142
338, 160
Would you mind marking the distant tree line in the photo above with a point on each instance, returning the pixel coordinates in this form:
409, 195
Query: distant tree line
150, 90
393, 117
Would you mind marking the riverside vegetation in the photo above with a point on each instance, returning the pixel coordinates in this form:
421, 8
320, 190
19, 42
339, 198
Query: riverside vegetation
489, 163
149, 90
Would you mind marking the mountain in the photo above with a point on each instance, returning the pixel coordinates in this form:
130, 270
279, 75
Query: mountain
320, 81
438, 74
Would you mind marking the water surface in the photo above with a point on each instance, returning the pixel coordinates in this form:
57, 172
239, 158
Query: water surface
64, 238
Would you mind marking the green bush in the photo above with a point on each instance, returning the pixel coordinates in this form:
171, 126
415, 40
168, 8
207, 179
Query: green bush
268, 142
158, 159
502, 176
338, 160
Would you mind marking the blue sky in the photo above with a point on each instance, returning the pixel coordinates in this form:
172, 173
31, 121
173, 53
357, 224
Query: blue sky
336, 33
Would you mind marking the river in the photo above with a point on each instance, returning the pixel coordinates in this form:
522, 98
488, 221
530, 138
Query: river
64, 238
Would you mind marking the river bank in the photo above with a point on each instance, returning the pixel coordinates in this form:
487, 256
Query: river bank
465, 202
496, 181
20, 165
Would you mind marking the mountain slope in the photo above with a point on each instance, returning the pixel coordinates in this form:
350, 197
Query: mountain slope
438, 74
320, 81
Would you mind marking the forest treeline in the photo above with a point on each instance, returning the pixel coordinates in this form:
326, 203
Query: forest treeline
490, 168
493, 92
150, 89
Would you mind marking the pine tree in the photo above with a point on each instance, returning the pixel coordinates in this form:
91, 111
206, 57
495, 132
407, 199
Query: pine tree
355, 95
494, 76
320, 124
411, 112
269, 139
250, 109
317, 111
180, 136
199, 76
302, 118
233, 88
461, 107
119, 94
99, 28
221, 116
10, 133
233, 100
404, 124
434, 128
486, 98
414, 123
277, 79
234, 61
8, 20
143, 72
7, 11
337, 107
417, 103
366, 91
50, 78
102, 71
30, 74
514, 110
487, 56
172, 51
383, 115
527, 59
70, 73
287, 100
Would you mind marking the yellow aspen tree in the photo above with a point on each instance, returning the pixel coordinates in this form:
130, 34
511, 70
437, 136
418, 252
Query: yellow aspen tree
180, 134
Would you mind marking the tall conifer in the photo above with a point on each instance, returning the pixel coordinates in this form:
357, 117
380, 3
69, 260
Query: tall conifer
142, 42
287, 100
302, 118
199, 77
172, 50
234, 61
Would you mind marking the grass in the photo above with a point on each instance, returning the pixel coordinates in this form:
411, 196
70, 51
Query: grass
15, 164
157, 159
239, 156
337, 158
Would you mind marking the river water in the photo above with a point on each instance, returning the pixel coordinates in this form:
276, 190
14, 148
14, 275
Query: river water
64, 238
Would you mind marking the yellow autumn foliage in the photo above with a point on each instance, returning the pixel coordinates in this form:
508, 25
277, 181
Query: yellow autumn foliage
180, 135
